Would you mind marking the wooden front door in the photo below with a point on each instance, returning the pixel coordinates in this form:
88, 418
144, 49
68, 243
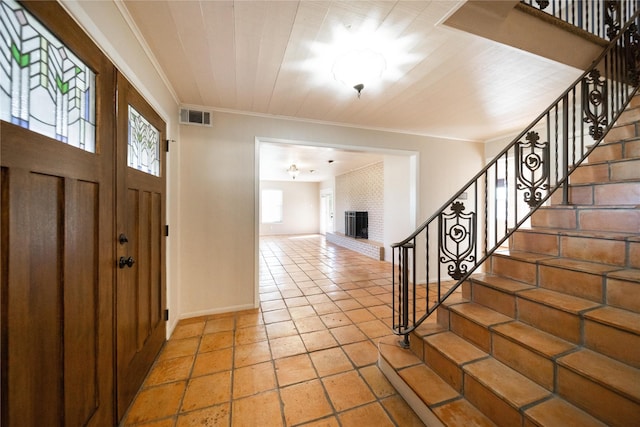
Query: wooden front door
58, 246
140, 201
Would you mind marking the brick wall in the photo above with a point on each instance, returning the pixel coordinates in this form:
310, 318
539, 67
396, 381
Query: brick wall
362, 190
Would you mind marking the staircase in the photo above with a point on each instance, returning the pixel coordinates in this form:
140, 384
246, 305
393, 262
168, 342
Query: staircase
549, 333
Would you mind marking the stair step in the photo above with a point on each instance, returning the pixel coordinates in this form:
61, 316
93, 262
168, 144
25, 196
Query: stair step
558, 216
621, 193
443, 313
435, 402
606, 171
601, 386
427, 384
461, 413
557, 412
472, 321
516, 265
446, 353
631, 149
614, 333
623, 289
604, 151
623, 218
529, 351
616, 193
621, 133
553, 312
628, 116
539, 240
500, 392
604, 247
496, 292
561, 275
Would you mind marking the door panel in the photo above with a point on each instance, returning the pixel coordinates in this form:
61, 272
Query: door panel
57, 263
57, 283
140, 295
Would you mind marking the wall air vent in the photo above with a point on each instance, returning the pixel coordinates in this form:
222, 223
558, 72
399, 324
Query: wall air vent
195, 117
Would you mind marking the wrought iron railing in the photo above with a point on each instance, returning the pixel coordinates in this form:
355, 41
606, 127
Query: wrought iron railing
601, 18
480, 217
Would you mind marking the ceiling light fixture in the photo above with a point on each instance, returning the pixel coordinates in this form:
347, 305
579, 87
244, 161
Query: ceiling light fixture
359, 68
293, 171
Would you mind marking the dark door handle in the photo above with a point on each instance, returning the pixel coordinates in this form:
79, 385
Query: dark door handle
122, 262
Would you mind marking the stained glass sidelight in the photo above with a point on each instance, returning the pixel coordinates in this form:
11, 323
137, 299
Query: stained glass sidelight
144, 144
44, 87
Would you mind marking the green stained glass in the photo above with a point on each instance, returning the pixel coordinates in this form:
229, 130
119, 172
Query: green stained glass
144, 144
44, 87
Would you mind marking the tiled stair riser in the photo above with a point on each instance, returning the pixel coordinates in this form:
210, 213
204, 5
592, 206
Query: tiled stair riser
564, 280
602, 250
623, 294
610, 407
613, 342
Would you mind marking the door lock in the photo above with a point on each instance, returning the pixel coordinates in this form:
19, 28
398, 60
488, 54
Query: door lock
122, 262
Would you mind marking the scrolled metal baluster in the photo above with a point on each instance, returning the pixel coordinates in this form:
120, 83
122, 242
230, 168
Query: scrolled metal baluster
612, 18
532, 168
632, 54
542, 4
594, 94
458, 240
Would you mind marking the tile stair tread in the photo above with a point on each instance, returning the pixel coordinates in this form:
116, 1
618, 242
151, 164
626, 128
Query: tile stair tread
426, 329
558, 412
534, 339
580, 265
480, 314
558, 300
589, 207
454, 299
456, 349
611, 161
427, 384
500, 283
630, 274
616, 317
614, 375
522, 255
565, 232
506, 383
462, 413
396, 356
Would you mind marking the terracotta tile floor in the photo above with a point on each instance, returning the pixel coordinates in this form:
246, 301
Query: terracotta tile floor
306, 357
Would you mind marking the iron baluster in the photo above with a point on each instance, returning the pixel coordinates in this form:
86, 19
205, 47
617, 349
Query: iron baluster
405, 292
532, 168
594, 95
458, 236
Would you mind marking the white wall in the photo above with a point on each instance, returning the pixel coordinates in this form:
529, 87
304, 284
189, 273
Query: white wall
399, 200
218, 203
300, 210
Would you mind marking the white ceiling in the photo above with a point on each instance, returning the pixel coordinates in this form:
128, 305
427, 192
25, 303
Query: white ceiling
275, 58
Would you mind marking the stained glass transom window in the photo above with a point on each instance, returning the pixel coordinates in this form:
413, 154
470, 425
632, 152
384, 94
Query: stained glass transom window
144, 144
44, 87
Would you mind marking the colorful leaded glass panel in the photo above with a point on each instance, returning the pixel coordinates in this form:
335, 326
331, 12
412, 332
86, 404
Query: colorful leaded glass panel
44, 87
144, 144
